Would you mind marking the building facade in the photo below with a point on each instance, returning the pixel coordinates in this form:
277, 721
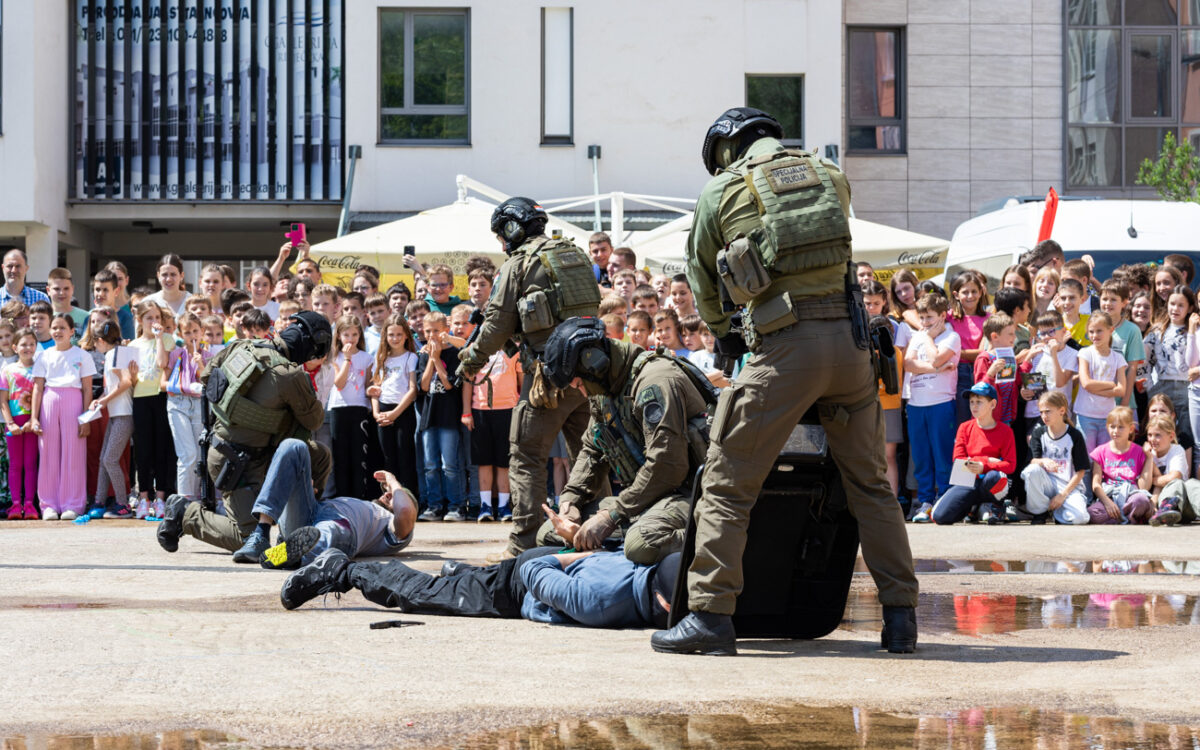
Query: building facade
130, 128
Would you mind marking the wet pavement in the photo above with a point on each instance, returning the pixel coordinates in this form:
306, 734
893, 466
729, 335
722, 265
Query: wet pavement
1055, 567
844, 727
195, 740
989, 613
759, 727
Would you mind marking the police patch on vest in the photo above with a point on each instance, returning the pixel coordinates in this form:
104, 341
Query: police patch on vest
650, 401
791, 175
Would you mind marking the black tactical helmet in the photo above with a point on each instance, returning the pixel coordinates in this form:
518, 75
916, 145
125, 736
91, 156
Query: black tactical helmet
577, 347
742, 124
517, 219
308, 337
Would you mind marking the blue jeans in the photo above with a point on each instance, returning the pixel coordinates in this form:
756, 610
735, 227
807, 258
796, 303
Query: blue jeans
931, 431
1094, 429
966, 379
287, 496
956, 502
443, 468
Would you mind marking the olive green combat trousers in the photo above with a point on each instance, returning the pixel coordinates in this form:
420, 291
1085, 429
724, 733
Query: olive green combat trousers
814, 361
531, 437
230, 530
651, 536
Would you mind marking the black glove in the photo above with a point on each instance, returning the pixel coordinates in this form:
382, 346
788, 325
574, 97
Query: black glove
731, 345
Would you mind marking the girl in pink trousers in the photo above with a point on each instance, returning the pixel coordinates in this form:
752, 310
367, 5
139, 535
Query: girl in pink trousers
62, 384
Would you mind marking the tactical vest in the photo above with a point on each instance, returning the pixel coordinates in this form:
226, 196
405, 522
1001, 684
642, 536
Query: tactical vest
573, 290
803, 224
618, 435
243, 367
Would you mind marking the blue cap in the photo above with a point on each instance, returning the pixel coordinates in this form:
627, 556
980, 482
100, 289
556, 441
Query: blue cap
981, 389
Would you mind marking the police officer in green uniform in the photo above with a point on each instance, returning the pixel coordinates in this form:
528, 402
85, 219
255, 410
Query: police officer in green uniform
260, 395
770, 235
647, 428
544, 282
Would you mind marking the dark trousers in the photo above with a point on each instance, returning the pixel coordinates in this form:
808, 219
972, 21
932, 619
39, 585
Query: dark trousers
957, 502
353, 433
398, 441
493, 591
154, 446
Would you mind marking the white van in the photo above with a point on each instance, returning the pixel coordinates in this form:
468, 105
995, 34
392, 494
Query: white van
1113, 232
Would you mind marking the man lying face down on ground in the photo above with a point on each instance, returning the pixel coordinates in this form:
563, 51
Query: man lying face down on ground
600, 589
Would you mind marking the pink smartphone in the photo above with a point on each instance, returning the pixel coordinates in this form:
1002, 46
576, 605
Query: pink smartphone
297, 235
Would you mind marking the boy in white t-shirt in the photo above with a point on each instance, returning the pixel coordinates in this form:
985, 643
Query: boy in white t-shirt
932, 363
1057, 372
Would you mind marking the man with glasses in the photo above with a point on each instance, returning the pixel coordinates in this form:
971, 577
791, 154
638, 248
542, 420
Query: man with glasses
440, 284
1045, 253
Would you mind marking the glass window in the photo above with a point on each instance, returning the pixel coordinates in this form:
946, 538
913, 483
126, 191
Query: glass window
783, 97
875, 90
423, 81
1093, 12
1151, 12
558, 61
1190, 111
1141, 143
1133, 75
1093, 90
1094, 157
1150, 90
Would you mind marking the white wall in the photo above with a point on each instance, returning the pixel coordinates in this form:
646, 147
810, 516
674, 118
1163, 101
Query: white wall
650, 77
34, 148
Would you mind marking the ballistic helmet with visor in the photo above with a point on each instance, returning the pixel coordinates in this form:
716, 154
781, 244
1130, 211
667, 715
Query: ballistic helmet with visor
733, 132
308, 337
578, 347
516, 220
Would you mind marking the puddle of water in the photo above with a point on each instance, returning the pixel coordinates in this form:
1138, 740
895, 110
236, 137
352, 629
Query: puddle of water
985, 614
843, 727
187, 740
1123, 567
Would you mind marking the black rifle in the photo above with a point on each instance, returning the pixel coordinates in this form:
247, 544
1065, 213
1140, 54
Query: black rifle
208, 493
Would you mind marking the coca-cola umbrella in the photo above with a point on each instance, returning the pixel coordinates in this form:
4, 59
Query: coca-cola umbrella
887, 249
447, 234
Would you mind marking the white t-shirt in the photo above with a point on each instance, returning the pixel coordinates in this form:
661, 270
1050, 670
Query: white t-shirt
161, 301
355, 391
1067, 452
117, 359
271, 309
703, 359
1099, 368
1174, 460
1068, 360
396, 377
930, 389
65, 369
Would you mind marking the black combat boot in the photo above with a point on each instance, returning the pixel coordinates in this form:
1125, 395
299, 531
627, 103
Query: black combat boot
899, 634
329, 573
170, 529
699, 633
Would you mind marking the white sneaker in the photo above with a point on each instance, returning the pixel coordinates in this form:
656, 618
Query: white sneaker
68, 515
160, 506
143, 509
924, 514
49, 514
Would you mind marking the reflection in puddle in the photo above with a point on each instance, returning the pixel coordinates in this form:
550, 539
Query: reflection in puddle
195, 740
1135, 567
844, 727
983, 614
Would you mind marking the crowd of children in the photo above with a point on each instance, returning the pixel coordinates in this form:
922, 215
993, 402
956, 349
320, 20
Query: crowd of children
102, 408
1060, 398
1055, 398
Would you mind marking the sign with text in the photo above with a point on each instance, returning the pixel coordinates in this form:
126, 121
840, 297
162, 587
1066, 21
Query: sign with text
208, 100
